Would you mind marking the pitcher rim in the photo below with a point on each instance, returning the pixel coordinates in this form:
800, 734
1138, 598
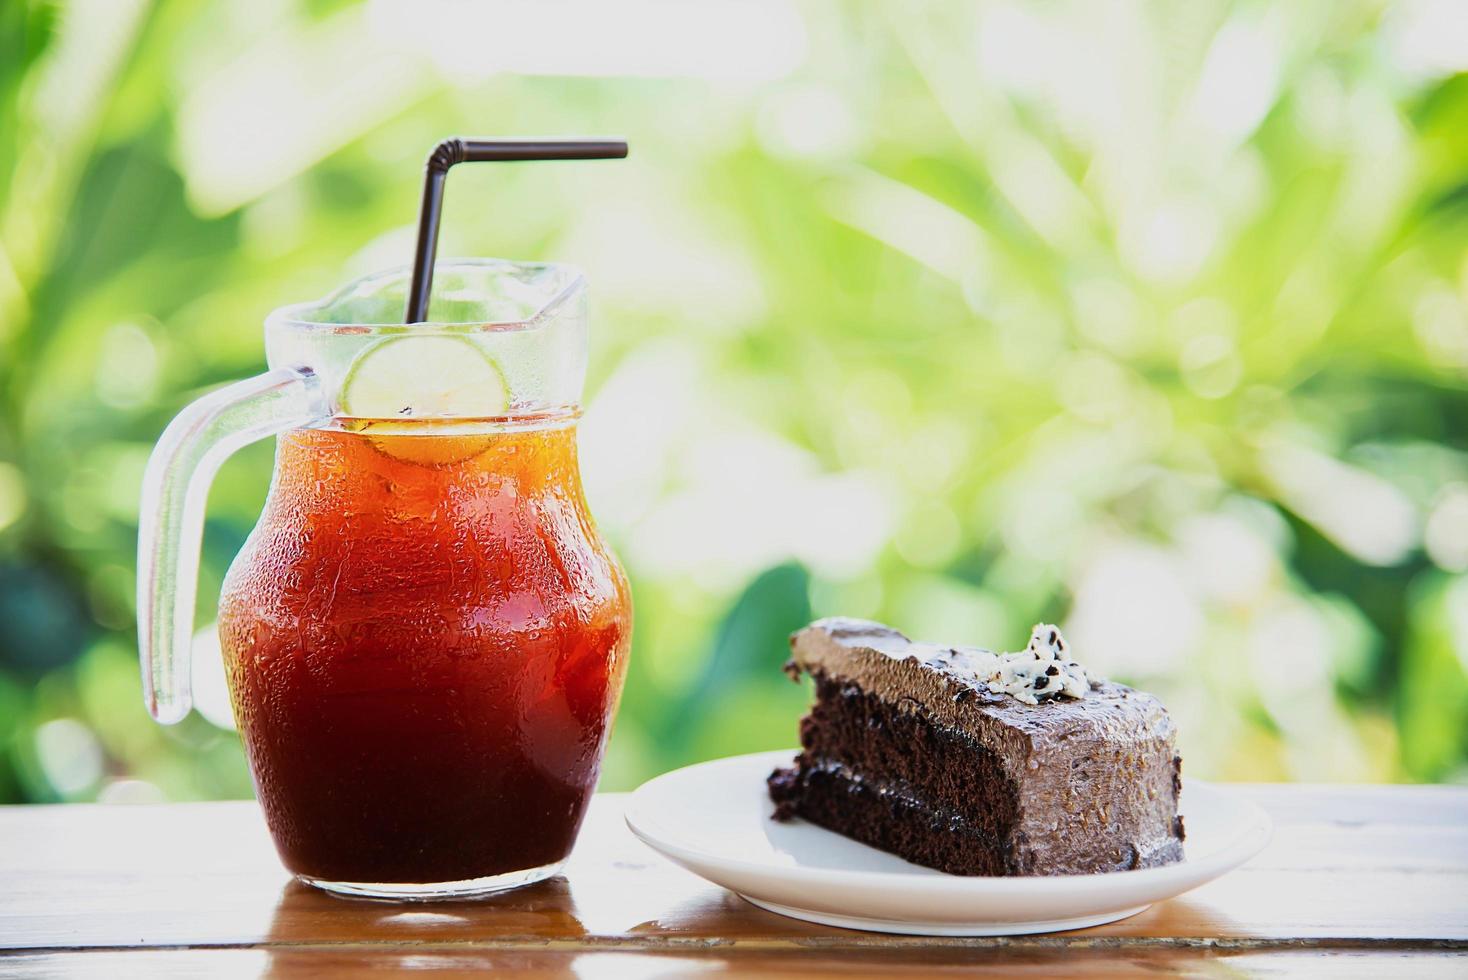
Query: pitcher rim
292, 316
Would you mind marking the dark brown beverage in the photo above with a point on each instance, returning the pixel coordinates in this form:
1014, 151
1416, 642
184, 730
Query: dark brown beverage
425, 639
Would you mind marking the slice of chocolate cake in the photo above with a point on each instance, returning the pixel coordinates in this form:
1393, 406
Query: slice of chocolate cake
977, 763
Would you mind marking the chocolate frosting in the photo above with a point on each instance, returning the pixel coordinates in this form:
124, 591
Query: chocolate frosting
1097, 776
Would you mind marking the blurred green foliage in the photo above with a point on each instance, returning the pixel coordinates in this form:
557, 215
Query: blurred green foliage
1148, 318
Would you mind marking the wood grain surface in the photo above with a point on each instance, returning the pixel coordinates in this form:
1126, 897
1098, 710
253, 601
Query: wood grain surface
1358, 881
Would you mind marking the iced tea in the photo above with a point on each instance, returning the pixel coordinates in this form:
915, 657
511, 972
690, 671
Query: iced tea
425, 640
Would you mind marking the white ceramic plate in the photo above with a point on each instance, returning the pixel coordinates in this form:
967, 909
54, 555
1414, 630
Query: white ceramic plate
714, 820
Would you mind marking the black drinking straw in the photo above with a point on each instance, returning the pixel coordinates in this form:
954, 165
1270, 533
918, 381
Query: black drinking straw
453, 151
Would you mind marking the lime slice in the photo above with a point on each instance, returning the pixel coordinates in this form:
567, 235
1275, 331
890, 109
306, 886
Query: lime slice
398, 383
416, 377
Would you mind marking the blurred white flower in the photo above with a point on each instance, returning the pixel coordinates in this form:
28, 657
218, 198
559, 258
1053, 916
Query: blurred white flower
1108, 312
925, 229
1239, 81
127, 366
810, 121
1170, 241
654, 258
692, 488
1134, 614
1292, 654
12, 494
743, 40
1440, 320
244, 128
1288, 649
1365, 515
1457, 610
69, 754
210, 687
1210, 366
1427, 38
1446, 535
763, 504
1225, 558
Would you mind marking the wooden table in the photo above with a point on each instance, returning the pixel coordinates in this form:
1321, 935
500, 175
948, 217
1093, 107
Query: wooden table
1368, 881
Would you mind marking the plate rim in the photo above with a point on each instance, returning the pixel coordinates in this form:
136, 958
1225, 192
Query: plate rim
964, 927
1245, 843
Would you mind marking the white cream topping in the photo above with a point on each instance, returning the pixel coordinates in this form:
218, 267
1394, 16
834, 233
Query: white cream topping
1042, 671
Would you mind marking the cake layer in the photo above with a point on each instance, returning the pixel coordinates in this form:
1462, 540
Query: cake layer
834, 799
944, 768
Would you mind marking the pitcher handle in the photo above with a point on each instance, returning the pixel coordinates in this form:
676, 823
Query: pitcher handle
171, 520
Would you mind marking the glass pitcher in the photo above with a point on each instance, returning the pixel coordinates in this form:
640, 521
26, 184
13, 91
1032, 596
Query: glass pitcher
425, 637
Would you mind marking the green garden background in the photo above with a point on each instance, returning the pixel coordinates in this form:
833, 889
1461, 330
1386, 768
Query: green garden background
1150, 319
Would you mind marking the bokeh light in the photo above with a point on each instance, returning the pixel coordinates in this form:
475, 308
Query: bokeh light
1147, 319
